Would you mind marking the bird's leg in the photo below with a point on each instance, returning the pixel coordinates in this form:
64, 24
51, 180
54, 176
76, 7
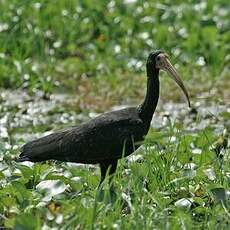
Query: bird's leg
105, 166
110, 168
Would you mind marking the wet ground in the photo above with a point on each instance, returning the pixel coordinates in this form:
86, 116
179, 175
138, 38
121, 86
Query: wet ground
23, 117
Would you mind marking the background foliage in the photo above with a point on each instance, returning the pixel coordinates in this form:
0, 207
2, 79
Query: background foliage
44, 41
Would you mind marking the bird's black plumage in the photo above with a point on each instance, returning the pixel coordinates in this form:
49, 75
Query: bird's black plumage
104, 139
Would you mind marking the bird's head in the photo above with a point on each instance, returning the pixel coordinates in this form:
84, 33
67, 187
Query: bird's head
160, 60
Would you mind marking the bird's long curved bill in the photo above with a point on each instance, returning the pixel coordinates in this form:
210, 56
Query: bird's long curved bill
168, 67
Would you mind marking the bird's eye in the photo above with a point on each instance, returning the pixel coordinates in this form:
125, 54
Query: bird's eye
158, 58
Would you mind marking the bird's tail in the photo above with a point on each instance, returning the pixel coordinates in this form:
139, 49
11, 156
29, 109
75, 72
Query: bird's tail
23, 158
42, 149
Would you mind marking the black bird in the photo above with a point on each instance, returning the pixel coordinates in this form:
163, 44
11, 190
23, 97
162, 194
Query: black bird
110, 136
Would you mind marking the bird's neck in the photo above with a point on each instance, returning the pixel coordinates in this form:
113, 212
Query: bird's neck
147, 108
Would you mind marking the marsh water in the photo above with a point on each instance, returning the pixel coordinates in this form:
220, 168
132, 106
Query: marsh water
24, 117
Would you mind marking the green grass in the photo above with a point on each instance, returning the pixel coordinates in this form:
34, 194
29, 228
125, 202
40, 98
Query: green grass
170, 187
46, 42
96, 51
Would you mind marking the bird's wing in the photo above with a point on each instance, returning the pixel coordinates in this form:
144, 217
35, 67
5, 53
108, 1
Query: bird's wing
90, 141
100, 140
